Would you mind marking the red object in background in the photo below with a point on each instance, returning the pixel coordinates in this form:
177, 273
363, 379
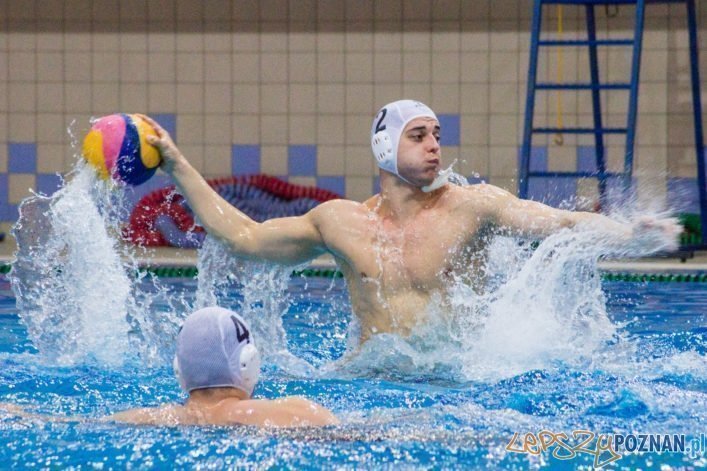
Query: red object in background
141, 226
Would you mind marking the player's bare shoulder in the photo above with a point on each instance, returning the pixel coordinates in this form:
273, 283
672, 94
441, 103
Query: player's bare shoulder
338, 212
479, 200
342, 225
469, 195
486, 189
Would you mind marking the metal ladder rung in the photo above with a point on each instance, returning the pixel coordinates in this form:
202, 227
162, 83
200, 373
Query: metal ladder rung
580, 130
573, 174
583, 86
584, 42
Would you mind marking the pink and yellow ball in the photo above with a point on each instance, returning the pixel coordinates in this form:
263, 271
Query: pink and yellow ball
117, 147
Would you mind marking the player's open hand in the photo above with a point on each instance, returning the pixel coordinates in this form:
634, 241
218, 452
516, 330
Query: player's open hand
664, 232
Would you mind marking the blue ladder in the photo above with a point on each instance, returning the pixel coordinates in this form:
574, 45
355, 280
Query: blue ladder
595, 86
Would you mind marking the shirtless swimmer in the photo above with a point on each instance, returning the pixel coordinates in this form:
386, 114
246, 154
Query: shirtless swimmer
399, 247
218, 364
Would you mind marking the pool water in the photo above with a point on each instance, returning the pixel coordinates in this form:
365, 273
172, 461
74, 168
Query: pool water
386, 421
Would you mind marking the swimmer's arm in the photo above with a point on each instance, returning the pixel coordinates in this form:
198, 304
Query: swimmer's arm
19, 411
533, 219
526, 218
288, 240
145, 416
515, 216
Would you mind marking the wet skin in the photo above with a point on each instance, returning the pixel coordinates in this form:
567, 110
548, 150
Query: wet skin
398, 248
229, 406
211, 406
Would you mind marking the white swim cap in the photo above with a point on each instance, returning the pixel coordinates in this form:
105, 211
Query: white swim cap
388, 126
215, 349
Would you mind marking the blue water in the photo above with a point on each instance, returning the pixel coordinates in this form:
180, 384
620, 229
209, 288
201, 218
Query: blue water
661, 387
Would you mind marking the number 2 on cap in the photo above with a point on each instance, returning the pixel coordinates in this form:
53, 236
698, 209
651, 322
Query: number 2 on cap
379, 125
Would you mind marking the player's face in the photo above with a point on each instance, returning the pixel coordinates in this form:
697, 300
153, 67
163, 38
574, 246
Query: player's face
419, 152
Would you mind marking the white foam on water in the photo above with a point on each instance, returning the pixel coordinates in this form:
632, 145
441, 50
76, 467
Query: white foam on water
75, 282
71, 286
551, 310
265, 299
542, 308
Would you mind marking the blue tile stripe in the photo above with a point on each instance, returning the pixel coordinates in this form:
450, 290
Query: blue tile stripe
683, 195
538, 159
245, 159
48, 183
9, 212
22, 157
335, 184
4, 188
586, 159
450, 129
473, 180
548, 190
168, 121
302, 160
552, 191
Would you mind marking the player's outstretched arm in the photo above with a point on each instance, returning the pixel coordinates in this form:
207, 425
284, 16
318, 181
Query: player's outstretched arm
284, 240
515, 216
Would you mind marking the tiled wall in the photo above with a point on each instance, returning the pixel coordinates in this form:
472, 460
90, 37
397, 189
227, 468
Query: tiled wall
289, 88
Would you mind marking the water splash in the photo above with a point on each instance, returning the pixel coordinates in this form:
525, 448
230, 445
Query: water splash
264, 299
551, 310
541, 308
75, 282
71, 287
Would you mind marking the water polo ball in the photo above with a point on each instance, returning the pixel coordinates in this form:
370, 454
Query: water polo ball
117, 147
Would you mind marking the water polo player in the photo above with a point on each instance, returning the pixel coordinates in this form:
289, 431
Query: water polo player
218, 364
401, 246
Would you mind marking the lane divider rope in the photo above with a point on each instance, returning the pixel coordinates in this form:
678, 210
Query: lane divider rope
192, 272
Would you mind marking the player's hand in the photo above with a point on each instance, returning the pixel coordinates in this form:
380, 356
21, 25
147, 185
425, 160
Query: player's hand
661, 231
171, 156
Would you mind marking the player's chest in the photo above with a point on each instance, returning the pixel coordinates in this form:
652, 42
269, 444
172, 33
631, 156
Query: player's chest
416, 254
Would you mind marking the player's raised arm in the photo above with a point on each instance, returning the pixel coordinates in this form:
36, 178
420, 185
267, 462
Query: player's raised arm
515, 216
283, 240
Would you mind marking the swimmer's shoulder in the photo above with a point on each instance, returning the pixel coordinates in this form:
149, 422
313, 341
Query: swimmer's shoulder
484, 189
479, 196
291, 411
339, 205
331, 211
164, 415
304, 412
480, 203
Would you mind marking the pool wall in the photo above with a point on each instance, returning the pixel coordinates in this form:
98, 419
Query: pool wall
288, 88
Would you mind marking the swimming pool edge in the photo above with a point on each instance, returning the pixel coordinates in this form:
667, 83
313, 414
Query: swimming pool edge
610, 271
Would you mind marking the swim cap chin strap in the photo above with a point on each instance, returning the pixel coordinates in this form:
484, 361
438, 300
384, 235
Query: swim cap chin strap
388, 126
